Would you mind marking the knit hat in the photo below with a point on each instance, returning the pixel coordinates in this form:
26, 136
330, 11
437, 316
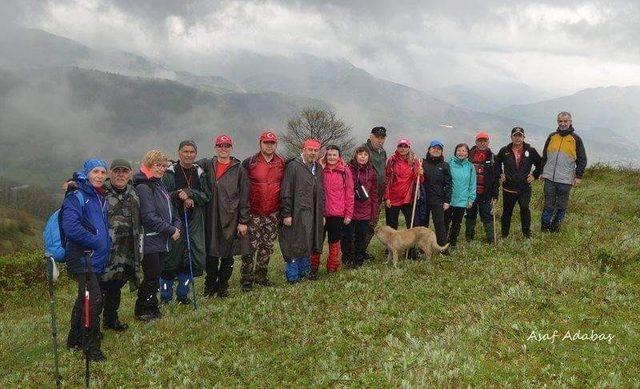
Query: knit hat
517, 130
89, 165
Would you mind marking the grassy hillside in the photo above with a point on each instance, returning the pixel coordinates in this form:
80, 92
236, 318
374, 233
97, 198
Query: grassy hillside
460, 320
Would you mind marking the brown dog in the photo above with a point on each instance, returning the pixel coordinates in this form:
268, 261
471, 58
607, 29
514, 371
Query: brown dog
397, 241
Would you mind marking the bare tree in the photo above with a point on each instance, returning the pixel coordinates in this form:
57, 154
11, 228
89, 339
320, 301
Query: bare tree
319, 124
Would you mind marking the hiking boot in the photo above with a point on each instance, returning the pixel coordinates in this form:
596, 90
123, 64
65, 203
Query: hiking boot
368, 257
116, 326
247, 287
147, 317
96, 355
74, 346
312, 276
183, 300
264, 282
223, 293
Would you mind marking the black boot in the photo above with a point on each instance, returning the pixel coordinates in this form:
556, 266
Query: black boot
488, 231
226, 269
110, 304
211, 284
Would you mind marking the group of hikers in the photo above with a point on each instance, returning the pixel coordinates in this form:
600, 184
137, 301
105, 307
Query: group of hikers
182, 219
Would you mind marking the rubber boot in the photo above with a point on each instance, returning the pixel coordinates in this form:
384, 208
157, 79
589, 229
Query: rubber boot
469, 229
226, 269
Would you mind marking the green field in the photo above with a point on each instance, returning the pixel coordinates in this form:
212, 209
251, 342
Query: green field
464, 319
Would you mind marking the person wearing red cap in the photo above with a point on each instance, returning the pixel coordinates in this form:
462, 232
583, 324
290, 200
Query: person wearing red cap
302, 209
227, 215
265, 170
402, 171
338, 206
486, 188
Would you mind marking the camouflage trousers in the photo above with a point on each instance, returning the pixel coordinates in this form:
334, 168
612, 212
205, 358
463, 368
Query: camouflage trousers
263, 231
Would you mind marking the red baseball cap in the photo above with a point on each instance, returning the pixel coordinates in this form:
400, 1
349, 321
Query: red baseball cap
311, 144
224, 140
482, 135
403, 141
268, 136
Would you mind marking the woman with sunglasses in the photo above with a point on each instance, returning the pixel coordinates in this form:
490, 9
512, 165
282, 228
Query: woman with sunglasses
403, 169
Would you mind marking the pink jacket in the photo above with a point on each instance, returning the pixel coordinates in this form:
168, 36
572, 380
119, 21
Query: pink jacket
338, 190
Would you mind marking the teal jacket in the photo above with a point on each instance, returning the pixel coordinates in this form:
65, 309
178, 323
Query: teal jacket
463, 177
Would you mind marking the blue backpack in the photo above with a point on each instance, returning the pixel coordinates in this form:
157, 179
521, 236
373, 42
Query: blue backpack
52, 235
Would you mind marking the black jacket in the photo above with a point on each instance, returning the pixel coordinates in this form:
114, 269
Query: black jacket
159, 218
437, 181
490, 172
516, 179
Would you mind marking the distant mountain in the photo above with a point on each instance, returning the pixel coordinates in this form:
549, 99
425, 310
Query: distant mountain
608, 114
362, 99
51, 119
30, 48
489, 96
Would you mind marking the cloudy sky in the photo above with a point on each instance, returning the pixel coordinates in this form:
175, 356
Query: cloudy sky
556, 46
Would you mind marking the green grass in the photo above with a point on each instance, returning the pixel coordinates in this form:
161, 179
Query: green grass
457, 321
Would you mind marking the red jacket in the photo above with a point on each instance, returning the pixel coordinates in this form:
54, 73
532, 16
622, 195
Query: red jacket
338, 190
367, 176
265, 179
401, 180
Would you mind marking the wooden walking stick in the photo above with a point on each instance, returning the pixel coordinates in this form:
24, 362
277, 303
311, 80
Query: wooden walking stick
413, 211
495, 233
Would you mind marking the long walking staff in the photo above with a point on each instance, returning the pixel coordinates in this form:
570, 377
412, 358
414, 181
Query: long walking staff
52, 276
413, 211
495, 233
86, 316
193, 284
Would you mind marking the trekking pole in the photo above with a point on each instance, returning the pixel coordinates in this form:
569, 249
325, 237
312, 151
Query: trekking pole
495, 233
51, 276
413, 211
193, 284
86, 318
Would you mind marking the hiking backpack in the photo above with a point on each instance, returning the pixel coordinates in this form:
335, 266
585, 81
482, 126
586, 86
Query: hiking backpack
53, 237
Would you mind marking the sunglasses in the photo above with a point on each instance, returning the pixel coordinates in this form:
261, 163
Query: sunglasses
224, 146
403, 146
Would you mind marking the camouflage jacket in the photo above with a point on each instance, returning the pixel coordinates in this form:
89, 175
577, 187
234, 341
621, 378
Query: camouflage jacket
124, 228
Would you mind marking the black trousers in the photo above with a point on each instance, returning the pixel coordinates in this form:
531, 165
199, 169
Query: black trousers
509, 200
219, 272
147, 301
76, 336
354, 241
393, 213
333, 227
452, 221
111, 296
437, 212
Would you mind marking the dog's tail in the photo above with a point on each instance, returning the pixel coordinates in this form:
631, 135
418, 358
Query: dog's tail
436, 247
